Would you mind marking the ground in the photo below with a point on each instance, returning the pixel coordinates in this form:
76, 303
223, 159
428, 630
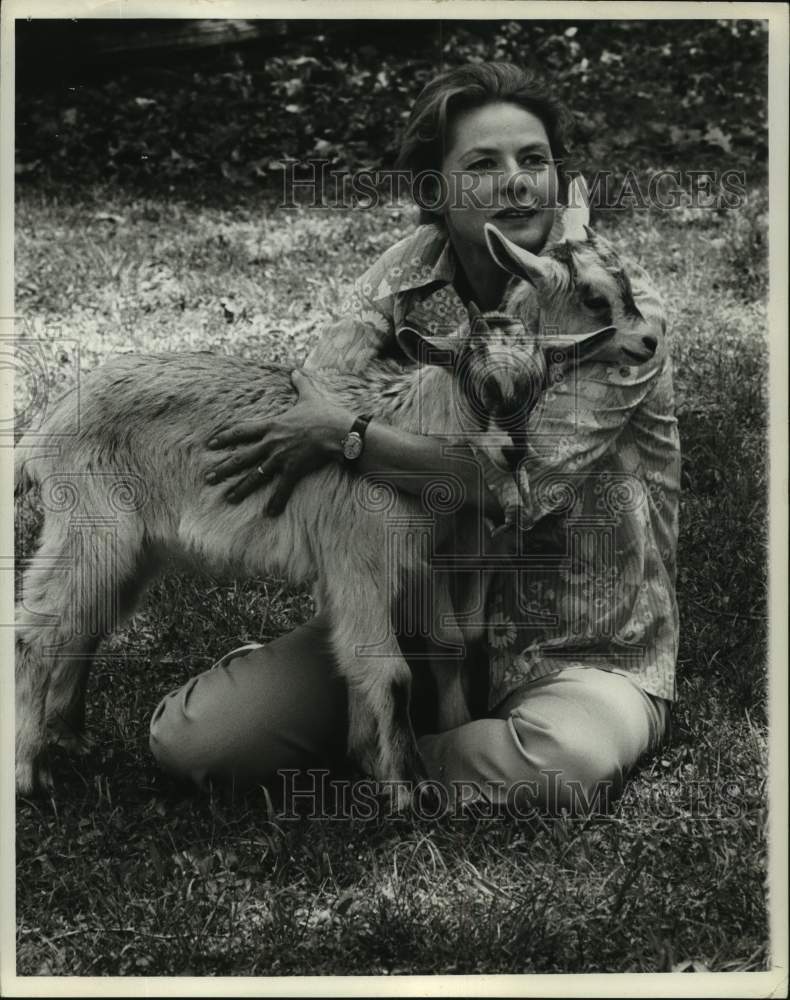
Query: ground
123, 872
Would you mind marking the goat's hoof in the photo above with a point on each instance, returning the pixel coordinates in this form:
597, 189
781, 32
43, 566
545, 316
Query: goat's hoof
402, 783
25, 777
395, 795
79, 744
32, 777
365, 756
415, 769
403, 797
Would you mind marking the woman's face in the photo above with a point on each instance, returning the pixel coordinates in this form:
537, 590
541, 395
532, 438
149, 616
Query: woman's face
499, 168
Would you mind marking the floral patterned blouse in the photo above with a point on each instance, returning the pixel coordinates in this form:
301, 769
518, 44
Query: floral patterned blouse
594, 580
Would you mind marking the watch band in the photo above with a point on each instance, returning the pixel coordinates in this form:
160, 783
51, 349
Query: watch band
353, 442
360, 425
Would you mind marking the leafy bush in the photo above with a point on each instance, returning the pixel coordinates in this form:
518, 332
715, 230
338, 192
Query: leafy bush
643, 93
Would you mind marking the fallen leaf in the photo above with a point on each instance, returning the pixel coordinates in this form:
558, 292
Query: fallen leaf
690, 965
715, 137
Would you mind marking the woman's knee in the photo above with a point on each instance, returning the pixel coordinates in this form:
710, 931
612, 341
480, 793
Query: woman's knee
523, 767
168, 734
583, 779
256, 712
580, 732
569, 768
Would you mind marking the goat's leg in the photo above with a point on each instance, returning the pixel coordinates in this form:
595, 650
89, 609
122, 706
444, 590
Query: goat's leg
65, 705
80, 582
43, 630
379, 686
453, 710
446, 652
64, 715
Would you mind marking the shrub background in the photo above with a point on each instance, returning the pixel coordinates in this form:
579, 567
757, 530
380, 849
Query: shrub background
154, 110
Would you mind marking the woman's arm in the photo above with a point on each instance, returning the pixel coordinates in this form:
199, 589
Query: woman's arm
409, 461
309, 434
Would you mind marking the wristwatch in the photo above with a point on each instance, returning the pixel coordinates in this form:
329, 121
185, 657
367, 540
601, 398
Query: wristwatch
354, 442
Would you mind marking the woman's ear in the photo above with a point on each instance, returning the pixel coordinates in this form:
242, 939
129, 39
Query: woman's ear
425, 350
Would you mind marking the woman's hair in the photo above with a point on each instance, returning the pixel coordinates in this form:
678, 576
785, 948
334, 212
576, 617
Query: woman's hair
427, 134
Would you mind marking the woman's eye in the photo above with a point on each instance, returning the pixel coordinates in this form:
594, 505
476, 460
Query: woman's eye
534, 160
485, 164
595, 302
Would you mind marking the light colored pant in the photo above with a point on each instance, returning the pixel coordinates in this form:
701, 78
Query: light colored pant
557, 744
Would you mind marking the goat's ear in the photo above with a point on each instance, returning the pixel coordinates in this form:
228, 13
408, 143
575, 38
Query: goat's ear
514, 259
427, 350
573, 348
576, 216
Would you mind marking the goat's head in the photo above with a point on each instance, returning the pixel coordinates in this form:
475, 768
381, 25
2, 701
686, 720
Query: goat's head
500, 370
574, 288
500, 367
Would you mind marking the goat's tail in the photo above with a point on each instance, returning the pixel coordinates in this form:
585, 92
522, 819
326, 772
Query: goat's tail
28, 460
22, 482
23, 474
39, 448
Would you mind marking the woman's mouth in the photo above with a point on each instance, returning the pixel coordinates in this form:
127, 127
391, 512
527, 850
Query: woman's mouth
516, 213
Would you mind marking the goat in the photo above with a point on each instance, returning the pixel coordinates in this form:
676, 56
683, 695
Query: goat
120, 468
573, 285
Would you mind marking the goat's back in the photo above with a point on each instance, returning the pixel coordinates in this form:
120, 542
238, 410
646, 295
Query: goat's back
141, 422
134, 407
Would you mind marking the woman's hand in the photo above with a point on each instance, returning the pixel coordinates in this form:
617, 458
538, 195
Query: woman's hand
290, 445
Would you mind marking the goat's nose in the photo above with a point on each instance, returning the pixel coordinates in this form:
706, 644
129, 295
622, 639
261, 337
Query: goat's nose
650, 343
513, 455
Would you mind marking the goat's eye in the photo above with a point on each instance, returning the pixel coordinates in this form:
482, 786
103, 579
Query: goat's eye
595, 302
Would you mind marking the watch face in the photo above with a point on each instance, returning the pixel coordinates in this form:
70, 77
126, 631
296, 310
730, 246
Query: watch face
352, 445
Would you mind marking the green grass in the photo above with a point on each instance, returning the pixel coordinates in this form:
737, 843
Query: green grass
123, 872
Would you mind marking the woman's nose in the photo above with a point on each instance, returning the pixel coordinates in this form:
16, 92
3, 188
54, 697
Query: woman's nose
518, 185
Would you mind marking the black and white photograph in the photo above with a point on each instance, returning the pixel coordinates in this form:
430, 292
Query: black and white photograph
398, 446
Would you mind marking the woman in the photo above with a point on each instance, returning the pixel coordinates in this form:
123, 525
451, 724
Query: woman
580, 648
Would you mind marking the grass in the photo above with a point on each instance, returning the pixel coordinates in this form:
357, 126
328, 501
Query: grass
123, 872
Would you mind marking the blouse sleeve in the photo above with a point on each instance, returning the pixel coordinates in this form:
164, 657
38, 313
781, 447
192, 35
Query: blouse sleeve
365, 330
378, 302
